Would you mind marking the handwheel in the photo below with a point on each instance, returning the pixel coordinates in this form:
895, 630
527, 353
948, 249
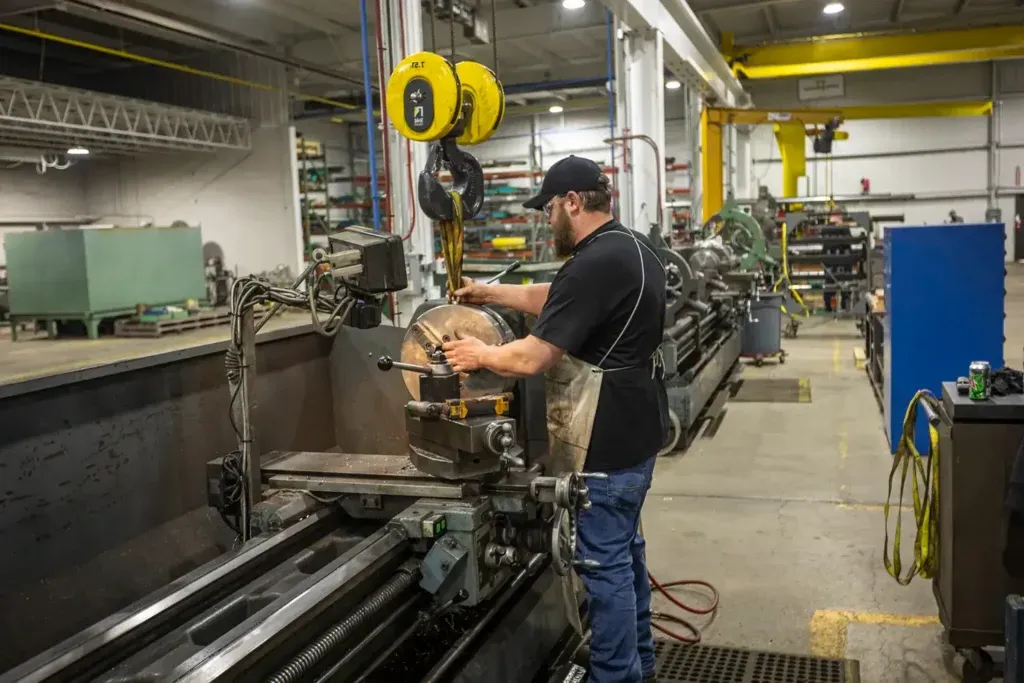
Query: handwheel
563, 541
675, 434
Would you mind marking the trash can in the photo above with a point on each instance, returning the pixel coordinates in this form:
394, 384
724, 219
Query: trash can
762, 336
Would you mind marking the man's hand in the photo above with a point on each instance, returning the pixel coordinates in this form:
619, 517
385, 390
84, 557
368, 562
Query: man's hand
465, 355
473, 292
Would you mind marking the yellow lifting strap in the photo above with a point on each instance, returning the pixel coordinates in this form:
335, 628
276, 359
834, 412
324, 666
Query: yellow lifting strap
926, 496
452, 233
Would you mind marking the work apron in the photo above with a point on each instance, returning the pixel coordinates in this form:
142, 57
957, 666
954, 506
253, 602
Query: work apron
573, 389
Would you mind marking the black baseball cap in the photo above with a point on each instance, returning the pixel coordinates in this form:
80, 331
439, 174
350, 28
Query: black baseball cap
571, 174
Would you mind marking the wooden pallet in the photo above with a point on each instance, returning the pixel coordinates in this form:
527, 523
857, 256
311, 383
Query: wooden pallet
157, 328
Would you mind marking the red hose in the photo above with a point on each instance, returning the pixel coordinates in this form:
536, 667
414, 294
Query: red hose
664, 590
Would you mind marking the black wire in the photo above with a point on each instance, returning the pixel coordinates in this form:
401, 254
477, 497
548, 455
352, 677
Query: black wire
494, 37
433, 37
451, 25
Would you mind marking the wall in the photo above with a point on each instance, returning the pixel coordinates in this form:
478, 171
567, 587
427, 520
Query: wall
243, 201
944, 162
27, 195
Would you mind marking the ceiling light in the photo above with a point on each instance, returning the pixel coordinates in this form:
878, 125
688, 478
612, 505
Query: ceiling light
573, 4
78, 151
673, 84
556, 109
833, 8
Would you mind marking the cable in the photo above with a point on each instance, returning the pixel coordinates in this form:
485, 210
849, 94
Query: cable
663, 588
925, 492
246, 293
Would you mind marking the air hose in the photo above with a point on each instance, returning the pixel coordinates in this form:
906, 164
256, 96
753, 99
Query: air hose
315, 652
664, 589
925, 490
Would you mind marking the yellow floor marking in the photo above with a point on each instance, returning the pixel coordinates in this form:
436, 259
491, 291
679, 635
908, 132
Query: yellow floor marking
804, 390
828, 628
873, 508
835, 356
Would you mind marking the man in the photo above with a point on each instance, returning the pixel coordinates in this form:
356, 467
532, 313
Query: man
602, 317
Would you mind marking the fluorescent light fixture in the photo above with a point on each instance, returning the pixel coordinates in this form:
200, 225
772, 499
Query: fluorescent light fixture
556, 109
833, 8
573, 4
673, 84
78, 151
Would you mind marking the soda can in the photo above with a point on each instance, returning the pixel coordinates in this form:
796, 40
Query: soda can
980, 375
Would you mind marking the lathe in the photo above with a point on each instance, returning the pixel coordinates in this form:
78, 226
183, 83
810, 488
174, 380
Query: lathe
710, 289
439, 565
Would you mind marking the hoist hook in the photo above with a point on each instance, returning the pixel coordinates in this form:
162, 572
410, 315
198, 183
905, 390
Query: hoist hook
467, 180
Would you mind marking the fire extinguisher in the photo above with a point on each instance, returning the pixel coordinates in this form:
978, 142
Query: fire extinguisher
865, 186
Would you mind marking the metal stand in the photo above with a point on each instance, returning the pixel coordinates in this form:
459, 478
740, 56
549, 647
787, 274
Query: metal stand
245, 406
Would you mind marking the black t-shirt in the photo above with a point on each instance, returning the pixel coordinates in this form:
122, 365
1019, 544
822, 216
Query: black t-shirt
591, 299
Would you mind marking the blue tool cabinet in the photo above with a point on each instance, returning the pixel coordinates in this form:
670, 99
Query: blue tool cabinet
944, 298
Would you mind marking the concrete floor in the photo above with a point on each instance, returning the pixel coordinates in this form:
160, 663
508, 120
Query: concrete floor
782, 511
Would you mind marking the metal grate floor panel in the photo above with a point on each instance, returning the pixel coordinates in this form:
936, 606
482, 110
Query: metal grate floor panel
679, 663
772, 390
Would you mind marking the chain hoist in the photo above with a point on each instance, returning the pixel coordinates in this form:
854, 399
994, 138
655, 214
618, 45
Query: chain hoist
435, 101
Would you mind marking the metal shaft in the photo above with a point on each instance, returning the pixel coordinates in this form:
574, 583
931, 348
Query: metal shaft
440, 670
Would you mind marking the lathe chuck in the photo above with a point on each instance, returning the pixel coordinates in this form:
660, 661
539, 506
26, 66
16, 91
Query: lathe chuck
435, 326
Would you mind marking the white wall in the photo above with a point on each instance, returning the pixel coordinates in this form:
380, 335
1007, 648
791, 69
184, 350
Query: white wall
942, 161
243, 201
27, 195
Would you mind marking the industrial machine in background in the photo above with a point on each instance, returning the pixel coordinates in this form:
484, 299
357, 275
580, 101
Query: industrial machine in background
709, 302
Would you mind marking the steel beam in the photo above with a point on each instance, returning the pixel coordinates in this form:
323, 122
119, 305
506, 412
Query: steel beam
689, 53
830, 54
790, 130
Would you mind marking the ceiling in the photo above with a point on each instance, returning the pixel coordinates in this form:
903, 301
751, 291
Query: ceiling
538, 41
753, 22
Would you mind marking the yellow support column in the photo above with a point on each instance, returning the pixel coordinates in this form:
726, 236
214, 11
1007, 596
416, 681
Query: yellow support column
790, 137
711, 174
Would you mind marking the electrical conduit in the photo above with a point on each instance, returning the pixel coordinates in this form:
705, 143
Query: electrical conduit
368, 93
408, 143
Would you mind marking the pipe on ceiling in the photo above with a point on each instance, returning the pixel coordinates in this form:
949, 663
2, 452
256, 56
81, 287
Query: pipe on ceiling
174, 66
104, 10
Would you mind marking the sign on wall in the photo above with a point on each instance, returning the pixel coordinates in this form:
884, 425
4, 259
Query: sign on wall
821, 87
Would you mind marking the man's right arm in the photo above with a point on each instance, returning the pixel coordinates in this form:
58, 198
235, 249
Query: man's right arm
523, 298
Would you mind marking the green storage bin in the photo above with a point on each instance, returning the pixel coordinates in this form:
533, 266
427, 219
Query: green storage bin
93, 274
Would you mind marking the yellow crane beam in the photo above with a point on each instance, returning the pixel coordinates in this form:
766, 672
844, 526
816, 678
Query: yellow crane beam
838, 54
791, 127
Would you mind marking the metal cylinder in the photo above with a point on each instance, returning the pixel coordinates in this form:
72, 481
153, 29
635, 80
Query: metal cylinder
762, 336
314, 653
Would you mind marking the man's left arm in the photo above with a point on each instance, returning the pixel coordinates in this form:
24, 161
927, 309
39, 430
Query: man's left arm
520, 358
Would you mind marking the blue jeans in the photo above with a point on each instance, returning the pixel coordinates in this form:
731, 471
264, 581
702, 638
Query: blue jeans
619, 593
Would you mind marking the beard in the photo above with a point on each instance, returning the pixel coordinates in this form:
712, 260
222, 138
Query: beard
563, 237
